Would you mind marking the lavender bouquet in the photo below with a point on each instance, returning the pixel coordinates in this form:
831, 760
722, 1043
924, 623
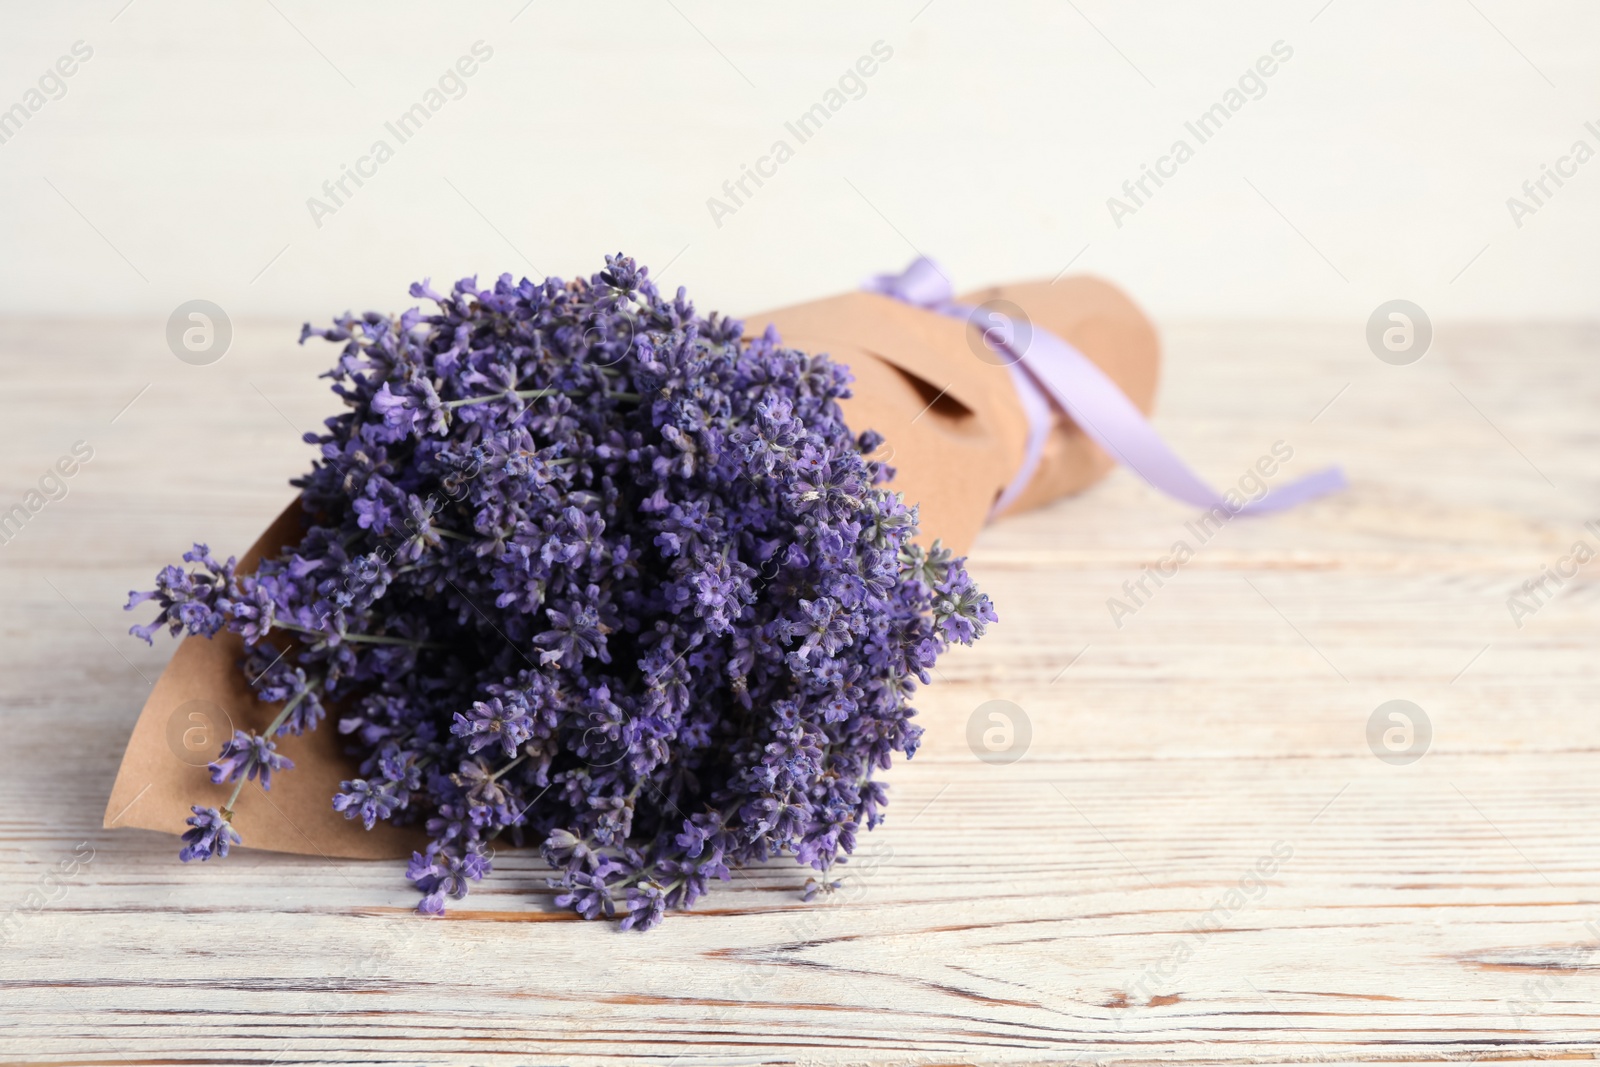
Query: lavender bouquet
585, 570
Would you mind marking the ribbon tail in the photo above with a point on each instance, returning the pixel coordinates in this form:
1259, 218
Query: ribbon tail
1095, 402
1317, 483
1047, 369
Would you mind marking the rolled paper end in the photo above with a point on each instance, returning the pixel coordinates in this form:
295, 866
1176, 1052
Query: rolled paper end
956, 427
1103, 323
1083, 365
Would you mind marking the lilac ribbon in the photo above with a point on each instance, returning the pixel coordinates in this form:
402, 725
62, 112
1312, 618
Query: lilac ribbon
1050, 375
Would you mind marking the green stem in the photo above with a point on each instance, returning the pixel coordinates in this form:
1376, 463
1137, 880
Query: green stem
278, 721
283, 716
371, 639
227, 809
530, 394
495, 777
525, 394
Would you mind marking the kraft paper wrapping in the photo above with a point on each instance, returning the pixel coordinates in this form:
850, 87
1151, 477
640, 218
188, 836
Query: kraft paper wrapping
954, 429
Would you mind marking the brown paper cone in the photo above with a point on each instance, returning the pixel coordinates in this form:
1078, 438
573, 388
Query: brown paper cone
954, 429
197, 703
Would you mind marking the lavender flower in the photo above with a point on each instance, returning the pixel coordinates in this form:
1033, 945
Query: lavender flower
211, 835
249, 756
583, 569
370, 800
490, 722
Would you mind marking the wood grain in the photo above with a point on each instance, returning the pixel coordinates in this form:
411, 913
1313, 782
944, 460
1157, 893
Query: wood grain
1097, 901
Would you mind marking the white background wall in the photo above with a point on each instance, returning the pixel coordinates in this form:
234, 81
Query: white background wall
991, 140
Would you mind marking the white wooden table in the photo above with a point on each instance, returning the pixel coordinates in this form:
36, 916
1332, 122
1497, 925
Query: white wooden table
1082, 904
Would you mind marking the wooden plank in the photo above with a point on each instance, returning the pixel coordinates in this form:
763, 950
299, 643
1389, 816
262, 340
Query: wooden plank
1199, 858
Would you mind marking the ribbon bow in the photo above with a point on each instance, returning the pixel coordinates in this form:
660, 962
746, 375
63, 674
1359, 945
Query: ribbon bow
1050, 375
